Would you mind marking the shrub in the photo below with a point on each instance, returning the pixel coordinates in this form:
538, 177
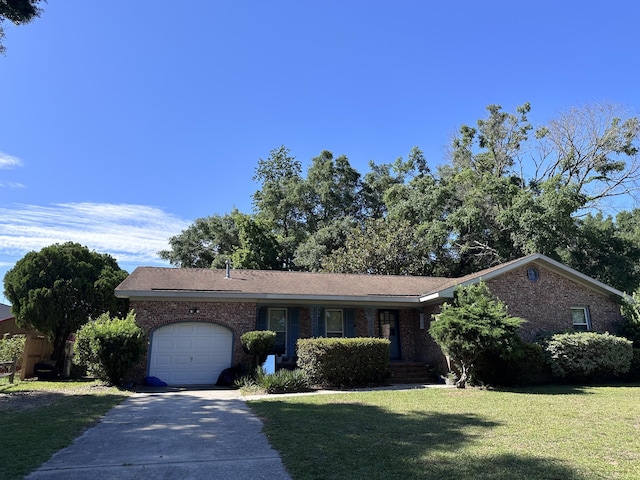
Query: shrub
109, 347
344, 362
475, 323
634, 371
526, 364
282, 381
630, 328
588, 355
11, 348
258, 343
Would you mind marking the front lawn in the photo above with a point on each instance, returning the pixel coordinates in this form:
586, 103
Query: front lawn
552, 433
39, 418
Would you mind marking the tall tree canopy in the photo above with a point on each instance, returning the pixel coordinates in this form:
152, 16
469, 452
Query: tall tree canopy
17, 12
59, 288
506, 189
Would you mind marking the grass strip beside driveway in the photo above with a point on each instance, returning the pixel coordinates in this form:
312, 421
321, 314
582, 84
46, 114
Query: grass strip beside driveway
39, 418
552, 433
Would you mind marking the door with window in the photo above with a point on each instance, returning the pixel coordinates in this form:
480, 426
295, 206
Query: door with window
389, 329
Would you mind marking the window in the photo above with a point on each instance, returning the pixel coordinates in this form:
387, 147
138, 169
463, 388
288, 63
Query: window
334, 323
581, 318
278, 323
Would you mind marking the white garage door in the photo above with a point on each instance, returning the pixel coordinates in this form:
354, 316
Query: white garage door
190, 353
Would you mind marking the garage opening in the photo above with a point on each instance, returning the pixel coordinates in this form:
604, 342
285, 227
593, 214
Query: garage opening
190, 353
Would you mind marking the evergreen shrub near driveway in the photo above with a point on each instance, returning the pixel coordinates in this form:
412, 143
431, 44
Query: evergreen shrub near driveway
258, 344
344, 362
589, 355
109, 347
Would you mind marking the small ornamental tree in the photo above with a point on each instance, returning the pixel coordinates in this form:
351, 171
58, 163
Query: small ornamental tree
258, 343
474, 323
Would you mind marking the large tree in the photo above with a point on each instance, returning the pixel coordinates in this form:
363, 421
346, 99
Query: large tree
61, 287
207, 243
17, 12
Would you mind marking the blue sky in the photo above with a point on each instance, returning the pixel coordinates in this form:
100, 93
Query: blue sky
123, 121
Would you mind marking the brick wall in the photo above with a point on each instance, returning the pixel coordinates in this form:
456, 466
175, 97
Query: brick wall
237, 317
546, 304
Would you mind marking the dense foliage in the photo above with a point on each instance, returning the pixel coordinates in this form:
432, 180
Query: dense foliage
631, 319
258, 344
475, 323
506, 189
17, 12
59, 288
281, 381
588, 355
109, 347
344, 362
12, 347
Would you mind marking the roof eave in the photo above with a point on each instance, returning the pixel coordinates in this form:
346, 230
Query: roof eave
269, 297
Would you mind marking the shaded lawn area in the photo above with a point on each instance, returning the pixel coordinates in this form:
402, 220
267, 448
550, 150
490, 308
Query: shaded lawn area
550, 433
39, 418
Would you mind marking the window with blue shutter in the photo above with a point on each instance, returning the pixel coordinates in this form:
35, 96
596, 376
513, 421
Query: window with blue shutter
350, 323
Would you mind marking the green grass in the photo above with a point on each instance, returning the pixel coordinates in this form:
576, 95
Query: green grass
551, 433
39, 418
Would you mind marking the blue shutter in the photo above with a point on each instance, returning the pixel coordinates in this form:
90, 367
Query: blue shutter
261, 318
350, 323
322, 324
293, 330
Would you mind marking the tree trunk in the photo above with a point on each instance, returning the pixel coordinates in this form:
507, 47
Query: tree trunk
462, 381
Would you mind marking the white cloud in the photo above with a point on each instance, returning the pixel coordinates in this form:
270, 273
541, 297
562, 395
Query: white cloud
133, 234
11, 185
7, 161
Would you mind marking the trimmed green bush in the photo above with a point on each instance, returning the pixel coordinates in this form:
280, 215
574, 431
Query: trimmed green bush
588, 355
109, 347
344, 362
526, 364
11, 348
634, 371
258, 343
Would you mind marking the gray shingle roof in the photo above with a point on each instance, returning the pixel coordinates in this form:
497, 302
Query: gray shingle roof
274, 282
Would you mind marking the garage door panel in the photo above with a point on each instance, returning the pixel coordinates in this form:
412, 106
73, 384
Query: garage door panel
190, 353
163, 360
184, 343
186, 329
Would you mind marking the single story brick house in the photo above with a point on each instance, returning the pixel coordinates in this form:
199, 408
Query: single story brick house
195, 317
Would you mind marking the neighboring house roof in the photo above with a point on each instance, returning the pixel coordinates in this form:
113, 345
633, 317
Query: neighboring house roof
5, 312
275, 285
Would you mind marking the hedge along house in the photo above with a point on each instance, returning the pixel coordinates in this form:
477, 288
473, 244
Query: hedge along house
195, 317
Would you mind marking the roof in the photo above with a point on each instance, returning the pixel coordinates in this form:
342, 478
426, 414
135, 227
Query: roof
446, 290
5, 312
275, 285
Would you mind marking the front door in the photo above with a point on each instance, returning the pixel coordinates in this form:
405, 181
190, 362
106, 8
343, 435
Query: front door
389, 329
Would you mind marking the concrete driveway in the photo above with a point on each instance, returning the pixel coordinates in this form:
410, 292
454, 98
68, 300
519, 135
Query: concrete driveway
195, 434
